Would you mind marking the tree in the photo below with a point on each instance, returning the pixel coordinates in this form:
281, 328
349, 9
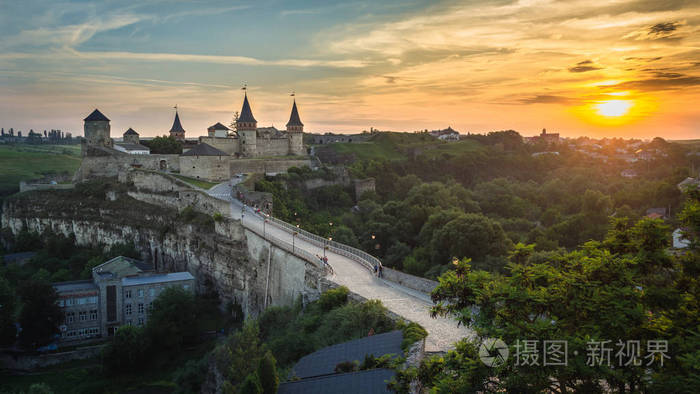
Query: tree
626, 288
190, 377
164, 145
267, 371
8, 303
251, 385
129, 350
170, 325
41, 315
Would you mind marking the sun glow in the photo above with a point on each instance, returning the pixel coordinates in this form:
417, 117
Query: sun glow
613, 108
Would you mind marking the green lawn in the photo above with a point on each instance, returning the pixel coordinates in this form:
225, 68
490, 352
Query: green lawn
26, 162
196, 182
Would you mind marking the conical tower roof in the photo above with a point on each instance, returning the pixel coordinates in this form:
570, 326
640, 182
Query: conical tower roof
294, 117
177, 126
96, 115
246, 113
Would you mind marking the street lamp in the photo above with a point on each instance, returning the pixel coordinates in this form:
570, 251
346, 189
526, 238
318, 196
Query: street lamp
294, 235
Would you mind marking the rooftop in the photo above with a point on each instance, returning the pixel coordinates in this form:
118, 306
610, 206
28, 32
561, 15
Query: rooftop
323, 362
294, 117
177, 126
156, 278
128, 146
246, 113
131, 132
121, 266
203, 149
96, 116
218, 126
76, 285
372, 381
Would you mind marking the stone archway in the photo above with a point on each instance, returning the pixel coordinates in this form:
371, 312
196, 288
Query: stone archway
163, 165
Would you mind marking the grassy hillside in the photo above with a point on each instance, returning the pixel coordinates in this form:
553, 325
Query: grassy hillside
24, 162
396, 146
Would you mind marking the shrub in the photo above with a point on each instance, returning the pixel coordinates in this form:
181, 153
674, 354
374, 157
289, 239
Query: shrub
333, 298
412, 333
346, 366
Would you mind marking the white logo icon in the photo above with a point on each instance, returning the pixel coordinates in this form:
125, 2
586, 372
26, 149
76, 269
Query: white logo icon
493, 352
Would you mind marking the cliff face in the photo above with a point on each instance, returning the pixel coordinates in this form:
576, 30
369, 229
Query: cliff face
223, 256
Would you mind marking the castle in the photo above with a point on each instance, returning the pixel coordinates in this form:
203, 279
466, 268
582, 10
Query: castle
249, 140
214, 157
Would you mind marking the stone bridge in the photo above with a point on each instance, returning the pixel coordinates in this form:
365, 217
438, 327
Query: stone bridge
352, 268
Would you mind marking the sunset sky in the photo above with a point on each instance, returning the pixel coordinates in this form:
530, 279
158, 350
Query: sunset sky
621, 68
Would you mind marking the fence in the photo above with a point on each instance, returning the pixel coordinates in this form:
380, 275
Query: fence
299, 252
354, 254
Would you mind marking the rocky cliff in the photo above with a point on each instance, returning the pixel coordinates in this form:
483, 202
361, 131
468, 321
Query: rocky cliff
223, 256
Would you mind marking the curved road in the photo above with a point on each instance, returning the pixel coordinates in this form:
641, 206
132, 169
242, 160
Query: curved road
407, 303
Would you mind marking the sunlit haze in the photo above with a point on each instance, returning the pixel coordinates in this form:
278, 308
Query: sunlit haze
614, 68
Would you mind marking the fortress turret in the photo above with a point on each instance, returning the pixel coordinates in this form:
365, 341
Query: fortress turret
177, 131
131, 137
97, 129
295, 130
96, 132
247, 128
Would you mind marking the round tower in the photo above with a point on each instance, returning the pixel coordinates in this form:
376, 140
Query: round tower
247, 128
295, 132
177, 131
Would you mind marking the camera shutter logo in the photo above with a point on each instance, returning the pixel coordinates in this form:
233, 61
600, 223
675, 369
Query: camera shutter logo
493, 352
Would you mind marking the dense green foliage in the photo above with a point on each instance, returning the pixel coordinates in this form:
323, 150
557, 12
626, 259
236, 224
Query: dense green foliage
165, 145
448, 200
625, 288
40, 315
172, 324
267, 347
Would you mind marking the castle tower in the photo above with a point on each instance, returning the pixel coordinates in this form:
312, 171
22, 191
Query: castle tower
131, 137
295, 131
247, 128
96, 129
177, 131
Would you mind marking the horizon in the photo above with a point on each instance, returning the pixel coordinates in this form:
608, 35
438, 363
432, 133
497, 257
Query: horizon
403, 66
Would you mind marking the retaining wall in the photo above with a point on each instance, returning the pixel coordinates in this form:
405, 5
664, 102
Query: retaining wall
412, 282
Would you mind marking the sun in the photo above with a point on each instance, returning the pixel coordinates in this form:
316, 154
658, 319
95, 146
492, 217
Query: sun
613, 108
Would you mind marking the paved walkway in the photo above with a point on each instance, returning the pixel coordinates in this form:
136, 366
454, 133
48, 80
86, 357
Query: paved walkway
407, 303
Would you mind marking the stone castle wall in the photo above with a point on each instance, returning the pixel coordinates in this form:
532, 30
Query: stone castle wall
210, 168
110, 165
273, 147
228, 145
260, 166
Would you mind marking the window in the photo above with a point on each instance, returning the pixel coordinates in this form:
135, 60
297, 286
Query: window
186, 287
127, 309
140, 321
82, 300
127, 293
140, 293
152, 292
82, 315
70, 317
128, 322
70, 302
140, 309
93, 314
61, 303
